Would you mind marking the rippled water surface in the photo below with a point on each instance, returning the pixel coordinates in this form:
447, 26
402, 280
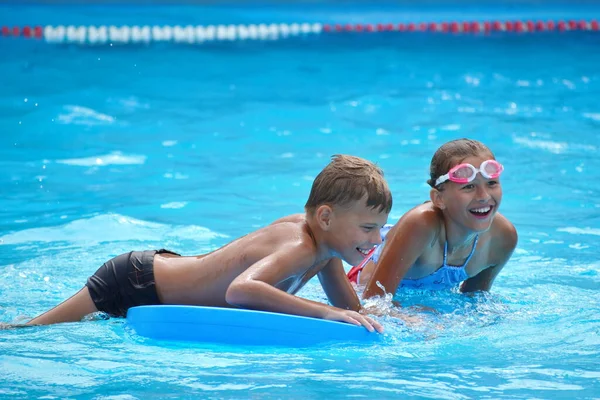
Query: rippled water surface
108, 149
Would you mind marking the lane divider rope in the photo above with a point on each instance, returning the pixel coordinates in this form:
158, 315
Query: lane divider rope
207, 33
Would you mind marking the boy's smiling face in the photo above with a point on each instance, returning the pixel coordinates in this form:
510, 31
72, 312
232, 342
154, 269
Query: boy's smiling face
354, 230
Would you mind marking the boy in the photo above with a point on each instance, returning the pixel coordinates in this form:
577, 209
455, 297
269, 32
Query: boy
348, 205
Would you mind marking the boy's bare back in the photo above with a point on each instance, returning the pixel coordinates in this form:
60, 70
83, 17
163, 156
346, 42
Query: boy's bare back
205, 279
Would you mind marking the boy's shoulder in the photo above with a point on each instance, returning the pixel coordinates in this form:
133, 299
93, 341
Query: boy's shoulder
293, 230
293, 218
290, 240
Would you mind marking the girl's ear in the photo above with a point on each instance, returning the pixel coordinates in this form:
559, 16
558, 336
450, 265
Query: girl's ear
324, 215
436, 198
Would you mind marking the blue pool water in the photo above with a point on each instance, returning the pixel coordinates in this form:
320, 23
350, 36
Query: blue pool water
108, 149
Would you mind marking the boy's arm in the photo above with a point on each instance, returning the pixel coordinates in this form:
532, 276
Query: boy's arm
337, 287
256, 289
341, 294
484, 279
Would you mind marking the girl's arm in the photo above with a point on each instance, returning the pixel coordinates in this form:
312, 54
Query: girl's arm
503, 244
405, 243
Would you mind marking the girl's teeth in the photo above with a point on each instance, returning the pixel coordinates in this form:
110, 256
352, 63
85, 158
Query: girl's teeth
365, 252
482, 210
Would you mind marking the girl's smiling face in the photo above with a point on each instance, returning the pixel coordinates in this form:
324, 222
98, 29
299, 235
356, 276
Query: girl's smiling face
473, 204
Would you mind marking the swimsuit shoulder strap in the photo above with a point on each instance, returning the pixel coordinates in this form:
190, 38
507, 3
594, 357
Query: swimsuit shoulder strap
468, 257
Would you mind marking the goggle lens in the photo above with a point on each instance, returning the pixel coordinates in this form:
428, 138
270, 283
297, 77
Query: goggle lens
492, 168
464, 173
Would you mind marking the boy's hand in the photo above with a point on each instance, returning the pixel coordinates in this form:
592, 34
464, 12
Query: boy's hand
354, 318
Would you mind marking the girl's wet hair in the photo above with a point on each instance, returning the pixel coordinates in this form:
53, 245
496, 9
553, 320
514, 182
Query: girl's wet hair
453, 153
347, 179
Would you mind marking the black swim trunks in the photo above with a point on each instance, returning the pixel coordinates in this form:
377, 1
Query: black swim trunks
125, 281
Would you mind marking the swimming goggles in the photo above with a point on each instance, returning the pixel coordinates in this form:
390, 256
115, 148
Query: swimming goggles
465, 173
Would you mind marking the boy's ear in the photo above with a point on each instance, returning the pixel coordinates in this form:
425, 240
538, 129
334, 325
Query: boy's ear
436, 198
324, 214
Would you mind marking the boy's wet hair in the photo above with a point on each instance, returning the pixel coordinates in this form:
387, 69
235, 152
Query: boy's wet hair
453, 153
347, 179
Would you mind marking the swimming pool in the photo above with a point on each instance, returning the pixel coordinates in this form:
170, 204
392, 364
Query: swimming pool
105, 149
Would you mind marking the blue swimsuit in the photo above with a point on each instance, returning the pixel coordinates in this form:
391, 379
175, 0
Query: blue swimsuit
446, 277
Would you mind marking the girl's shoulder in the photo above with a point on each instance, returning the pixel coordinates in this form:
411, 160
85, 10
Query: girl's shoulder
503, 227
423, 220
426, 214
503, 234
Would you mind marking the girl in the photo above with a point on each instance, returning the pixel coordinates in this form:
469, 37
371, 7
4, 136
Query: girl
457, 237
